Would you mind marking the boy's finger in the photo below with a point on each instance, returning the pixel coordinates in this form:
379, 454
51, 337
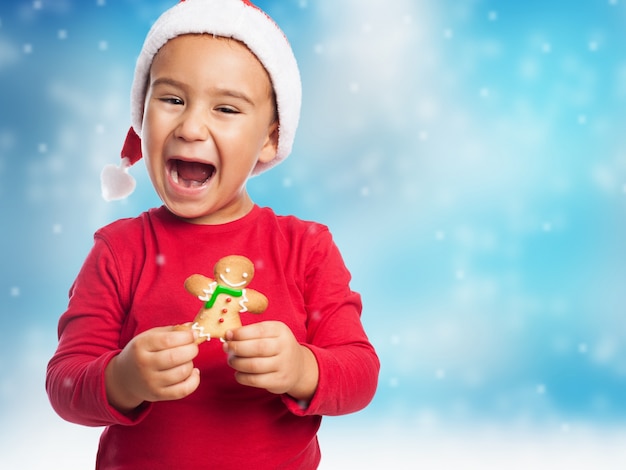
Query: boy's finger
167, 337
265, 329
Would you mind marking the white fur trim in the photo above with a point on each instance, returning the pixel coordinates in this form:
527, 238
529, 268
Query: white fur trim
115, 181
248, 24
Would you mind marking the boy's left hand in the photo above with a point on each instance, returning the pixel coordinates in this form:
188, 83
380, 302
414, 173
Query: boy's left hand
267, 355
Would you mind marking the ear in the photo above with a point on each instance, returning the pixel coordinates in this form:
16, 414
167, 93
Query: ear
268, 152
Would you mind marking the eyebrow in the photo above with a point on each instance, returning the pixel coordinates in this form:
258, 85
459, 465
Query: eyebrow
221, 91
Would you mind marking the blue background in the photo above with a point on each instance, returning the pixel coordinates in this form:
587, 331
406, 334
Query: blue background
469, 157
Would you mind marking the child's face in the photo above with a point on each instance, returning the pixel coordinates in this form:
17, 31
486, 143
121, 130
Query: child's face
208, 118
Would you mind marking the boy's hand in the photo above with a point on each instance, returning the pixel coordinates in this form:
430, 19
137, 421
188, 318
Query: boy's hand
267, 355
155, 365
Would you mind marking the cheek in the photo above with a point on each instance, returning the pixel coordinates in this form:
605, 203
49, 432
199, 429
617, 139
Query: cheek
150, 150
147, 149
151, 135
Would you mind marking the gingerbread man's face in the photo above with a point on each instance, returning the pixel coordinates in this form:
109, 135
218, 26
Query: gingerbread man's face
234, 271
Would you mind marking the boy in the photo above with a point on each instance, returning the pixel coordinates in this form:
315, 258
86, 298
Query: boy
215, 99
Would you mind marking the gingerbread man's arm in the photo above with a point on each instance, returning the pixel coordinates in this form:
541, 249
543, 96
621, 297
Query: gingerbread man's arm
257, 302
197, 284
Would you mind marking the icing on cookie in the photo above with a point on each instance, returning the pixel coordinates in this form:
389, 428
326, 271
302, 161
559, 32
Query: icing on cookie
200, 329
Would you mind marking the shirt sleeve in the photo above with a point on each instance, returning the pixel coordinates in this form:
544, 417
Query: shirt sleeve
89, 337
348, 364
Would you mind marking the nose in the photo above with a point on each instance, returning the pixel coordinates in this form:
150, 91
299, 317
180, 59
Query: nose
193, 125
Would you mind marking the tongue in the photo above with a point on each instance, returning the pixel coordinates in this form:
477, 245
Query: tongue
193, 171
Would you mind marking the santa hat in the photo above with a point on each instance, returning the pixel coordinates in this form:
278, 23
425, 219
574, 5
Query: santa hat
237, 19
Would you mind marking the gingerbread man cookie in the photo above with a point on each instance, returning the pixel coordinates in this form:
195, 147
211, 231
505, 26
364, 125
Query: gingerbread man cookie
224, 297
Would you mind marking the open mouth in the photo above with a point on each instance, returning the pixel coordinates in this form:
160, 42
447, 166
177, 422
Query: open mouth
191, 174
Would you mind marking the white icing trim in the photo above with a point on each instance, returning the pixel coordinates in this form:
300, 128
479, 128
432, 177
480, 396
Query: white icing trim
200, 329
243, 301
208, 293
233, 284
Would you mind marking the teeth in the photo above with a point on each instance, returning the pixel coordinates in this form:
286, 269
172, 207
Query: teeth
176, 178
183, 182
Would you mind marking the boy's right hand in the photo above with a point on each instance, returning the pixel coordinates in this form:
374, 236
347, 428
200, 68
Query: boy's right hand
155, 365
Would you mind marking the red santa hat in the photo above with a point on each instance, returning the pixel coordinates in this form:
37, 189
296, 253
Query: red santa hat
237, 19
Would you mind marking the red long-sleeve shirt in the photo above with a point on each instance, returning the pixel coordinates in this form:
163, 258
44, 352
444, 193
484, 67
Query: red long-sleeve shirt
133, 280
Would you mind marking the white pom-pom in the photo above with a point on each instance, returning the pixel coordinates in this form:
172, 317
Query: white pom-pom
115, 181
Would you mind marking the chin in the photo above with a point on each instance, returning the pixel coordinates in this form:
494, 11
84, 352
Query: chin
185, 211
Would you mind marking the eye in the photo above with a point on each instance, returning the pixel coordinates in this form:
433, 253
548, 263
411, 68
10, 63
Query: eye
227, 270
227, 110
173, 100
244, 275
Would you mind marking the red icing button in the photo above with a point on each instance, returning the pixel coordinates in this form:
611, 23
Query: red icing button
228, 299
224, 310
221, 320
